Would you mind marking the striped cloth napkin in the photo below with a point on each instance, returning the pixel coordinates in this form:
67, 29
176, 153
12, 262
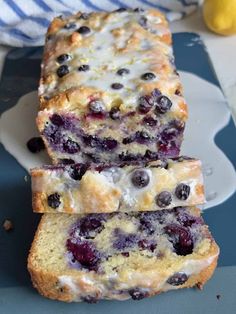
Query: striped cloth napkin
24, 22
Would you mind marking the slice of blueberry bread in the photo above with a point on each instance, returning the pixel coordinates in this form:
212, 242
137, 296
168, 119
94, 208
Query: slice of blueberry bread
120, 255
79, 188
109, 90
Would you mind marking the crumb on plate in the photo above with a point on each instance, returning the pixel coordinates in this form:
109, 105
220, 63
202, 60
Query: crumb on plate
8, 225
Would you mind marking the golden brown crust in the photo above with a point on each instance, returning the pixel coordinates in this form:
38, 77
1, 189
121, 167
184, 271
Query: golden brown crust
37, 203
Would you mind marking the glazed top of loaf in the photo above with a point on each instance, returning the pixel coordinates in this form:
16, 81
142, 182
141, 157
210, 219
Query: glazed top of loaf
113, 57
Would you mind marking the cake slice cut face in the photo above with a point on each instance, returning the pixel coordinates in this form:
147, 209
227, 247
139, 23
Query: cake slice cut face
109, 90
79, 188
120, 255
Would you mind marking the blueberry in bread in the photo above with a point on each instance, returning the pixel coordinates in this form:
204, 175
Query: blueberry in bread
121, 255
109, 90
82, 188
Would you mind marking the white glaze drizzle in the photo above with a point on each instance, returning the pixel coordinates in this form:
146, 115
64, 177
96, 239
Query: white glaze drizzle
121, 179
190, 267
104, 59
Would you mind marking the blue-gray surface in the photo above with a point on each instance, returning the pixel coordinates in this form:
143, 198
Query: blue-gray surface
20, 75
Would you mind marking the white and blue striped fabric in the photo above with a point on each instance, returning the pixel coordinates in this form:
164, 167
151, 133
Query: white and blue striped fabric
24, 22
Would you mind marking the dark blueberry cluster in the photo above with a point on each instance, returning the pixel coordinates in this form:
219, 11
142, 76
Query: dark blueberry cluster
82, 247
155, 100
57, 120
54, 200
188, 220
54, 133
177, 279
83, 68
63, 58
163, 199
125, 254
117, 86
65, 122
114, 113
120, 10
178, 92
63, 70
90, 299
148, 220
168, 149
143, 22
146, 226
147, 245
84, 30
148, 76
137, 294
181, 238
182, 191
145, 103
84, 252
124, 240
35, 144
169, 137
123, 71
163, 104
66, 161
79, 245
171, 131
156, 93
141, 137
105, 144
140, 178
89, 226
76, 171
71, 147
129, 157
149, 155
149, 121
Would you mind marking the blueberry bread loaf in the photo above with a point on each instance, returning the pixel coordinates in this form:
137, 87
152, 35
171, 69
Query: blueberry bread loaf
120, 255
109, 90
79, 188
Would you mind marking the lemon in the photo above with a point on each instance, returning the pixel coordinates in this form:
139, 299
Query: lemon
220, 16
